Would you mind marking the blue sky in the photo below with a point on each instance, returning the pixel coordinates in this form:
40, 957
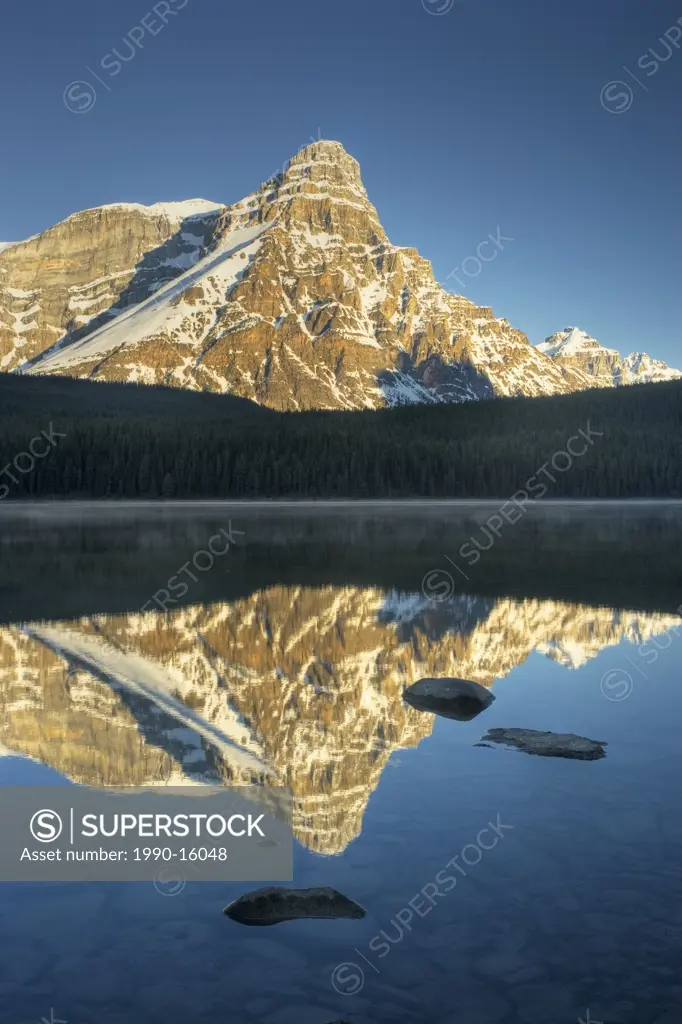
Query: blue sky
485, 117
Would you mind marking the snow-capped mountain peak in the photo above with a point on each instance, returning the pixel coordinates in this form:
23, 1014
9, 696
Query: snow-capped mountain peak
643, 367
571, 341
575, 350
293, 297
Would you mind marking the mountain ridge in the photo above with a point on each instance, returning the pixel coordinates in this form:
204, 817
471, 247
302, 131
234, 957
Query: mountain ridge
293, 297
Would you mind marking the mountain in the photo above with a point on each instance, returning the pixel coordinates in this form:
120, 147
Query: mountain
293, 297
575, 351
304, 681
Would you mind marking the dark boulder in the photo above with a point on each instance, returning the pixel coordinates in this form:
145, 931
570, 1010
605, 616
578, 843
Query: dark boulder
451, 698
548, 744
275, 904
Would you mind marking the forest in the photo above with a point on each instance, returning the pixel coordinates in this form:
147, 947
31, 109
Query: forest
62, 438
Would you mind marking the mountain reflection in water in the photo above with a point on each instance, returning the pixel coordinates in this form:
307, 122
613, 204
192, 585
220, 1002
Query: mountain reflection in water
302, 683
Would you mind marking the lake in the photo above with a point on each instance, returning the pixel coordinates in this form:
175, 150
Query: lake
500, 887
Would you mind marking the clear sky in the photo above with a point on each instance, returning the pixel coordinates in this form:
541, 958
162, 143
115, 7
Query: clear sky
486, 116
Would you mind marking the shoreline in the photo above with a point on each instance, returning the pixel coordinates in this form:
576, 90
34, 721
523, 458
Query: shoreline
58, 504
455, 513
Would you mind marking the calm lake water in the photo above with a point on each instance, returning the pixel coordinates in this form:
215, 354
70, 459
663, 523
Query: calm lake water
297, 644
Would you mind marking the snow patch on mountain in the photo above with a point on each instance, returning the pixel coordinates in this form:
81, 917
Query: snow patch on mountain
188, 209
166, 311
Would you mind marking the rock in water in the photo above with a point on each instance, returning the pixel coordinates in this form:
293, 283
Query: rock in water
275, 904
451, 698
549, 744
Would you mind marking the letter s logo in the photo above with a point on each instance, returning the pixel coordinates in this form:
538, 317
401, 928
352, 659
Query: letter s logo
80, 97
615, 100
46, 826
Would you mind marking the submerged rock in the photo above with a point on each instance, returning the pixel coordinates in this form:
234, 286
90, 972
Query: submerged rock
275, 904
451, 698
548, 744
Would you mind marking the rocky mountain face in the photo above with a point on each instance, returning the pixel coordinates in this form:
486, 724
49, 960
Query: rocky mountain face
293, 297
67, 281
297, 685
574, 351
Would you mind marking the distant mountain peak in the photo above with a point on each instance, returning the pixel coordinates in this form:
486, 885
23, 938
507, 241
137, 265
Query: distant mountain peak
575, 350
570, 341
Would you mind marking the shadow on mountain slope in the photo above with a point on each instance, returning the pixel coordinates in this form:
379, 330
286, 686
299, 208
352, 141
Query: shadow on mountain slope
157, 268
